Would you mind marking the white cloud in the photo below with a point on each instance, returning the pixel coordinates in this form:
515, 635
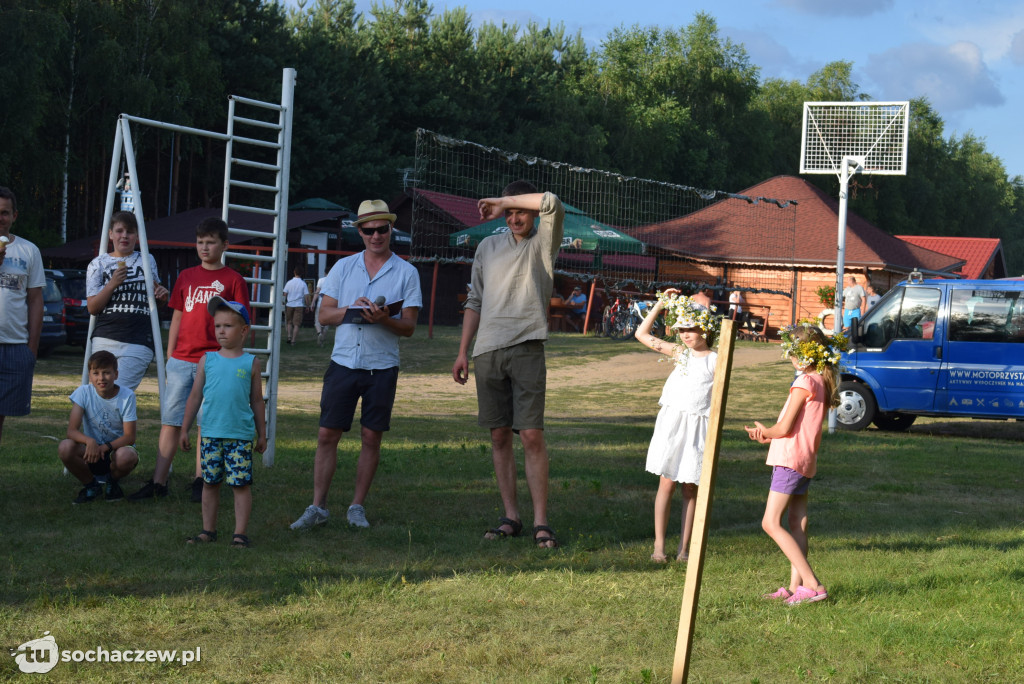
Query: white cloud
844, 8
1017, 48
952, 77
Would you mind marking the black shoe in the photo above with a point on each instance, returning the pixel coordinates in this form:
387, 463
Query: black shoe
89, 493
197, 490
149, 490
113, 492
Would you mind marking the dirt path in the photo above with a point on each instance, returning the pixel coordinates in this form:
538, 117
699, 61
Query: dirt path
630, 366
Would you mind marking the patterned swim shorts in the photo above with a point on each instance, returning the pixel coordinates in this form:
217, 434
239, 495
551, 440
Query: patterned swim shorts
218, 456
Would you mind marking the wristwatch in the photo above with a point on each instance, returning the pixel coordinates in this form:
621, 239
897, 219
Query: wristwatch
110, 448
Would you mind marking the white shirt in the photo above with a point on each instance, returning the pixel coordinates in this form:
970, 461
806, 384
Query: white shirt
295, 292
21, 270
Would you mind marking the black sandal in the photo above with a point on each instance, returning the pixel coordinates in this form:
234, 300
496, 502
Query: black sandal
542, 541
516, 525
198, 539
240, 541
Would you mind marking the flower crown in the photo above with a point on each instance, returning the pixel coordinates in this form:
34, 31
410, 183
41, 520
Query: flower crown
683, 308
808, 352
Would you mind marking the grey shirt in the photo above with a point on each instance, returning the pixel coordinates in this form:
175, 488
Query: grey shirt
512, 282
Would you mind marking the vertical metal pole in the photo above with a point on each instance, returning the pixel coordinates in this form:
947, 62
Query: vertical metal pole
108, 210
281, 263
154, 318
433, 298
844, 188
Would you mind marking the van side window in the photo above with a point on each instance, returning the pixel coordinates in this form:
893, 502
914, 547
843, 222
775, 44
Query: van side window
986, 316
919, 312
909, 314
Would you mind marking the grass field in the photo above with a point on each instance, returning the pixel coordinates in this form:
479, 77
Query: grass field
918, 536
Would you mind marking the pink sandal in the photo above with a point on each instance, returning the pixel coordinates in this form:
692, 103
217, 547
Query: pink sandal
782, 593
806, 595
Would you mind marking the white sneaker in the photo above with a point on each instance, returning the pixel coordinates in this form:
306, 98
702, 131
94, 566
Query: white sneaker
311, 517
357, 516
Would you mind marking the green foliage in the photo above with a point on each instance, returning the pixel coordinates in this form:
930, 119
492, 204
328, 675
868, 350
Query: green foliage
680, 104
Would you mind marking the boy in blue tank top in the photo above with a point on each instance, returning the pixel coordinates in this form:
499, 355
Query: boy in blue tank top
230, 380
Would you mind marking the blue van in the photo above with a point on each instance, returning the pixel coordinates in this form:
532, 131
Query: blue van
951, 348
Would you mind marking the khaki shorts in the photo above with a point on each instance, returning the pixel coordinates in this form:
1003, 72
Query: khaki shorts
293, 315
510, 386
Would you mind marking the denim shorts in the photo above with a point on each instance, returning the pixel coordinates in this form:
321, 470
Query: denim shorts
178, 378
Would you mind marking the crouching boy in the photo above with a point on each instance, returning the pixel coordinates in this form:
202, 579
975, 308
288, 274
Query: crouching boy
228, 381
101, 432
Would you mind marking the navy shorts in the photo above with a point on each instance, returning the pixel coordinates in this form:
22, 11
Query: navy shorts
343, 387
16, 367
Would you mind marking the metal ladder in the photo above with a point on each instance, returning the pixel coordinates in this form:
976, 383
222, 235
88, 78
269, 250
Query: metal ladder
276, 142
243, 171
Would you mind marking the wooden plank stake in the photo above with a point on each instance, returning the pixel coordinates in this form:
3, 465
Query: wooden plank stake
705, 492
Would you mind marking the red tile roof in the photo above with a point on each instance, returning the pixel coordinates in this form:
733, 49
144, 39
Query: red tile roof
735, 231
462, 209
979, 253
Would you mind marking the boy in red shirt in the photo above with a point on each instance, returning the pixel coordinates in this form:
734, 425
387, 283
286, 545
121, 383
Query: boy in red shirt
191, 335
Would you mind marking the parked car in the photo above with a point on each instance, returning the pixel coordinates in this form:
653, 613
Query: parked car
54, 333
72, 286
936, 348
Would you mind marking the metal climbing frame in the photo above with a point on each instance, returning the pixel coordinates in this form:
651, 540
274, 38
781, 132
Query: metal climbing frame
256, 166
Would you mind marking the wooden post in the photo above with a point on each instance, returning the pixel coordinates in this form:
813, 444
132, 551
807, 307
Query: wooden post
590, 303
705, 492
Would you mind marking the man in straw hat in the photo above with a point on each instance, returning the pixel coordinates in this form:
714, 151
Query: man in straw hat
506, 311
373, 298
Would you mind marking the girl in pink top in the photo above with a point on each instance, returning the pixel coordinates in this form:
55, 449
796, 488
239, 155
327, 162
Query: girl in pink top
793, 453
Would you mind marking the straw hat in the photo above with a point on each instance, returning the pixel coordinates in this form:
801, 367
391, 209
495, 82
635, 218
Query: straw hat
374, 210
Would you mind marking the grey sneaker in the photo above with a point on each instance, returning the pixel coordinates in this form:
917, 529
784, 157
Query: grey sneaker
311, 517
357, 516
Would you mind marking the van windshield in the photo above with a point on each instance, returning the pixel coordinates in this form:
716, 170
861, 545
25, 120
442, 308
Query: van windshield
905, 313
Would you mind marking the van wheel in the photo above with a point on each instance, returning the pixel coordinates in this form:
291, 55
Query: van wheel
857, 406
894, 422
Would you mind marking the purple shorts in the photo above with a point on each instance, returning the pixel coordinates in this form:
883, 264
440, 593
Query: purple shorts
788, 481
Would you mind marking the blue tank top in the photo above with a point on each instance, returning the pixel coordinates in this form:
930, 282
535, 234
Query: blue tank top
227, 413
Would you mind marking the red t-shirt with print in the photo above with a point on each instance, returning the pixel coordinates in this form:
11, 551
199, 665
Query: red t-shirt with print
192, 291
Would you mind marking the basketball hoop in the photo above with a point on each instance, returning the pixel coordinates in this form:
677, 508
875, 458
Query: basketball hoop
845, 138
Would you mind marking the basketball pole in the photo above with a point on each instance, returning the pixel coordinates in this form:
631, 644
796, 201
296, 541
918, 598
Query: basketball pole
849, 166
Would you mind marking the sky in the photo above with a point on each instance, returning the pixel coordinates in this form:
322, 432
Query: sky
965, 56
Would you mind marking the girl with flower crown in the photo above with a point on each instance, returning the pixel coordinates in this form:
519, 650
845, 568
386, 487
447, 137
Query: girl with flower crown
793, 451
677, 446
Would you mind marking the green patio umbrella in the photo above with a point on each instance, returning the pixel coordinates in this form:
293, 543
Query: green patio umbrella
580, 232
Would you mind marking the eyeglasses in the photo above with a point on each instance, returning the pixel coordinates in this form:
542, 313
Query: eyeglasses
380, 230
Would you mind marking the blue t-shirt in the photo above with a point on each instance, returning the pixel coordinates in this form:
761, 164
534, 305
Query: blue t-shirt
104, 419
227, 411
370, 346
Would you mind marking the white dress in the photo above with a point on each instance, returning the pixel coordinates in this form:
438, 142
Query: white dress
677, 447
